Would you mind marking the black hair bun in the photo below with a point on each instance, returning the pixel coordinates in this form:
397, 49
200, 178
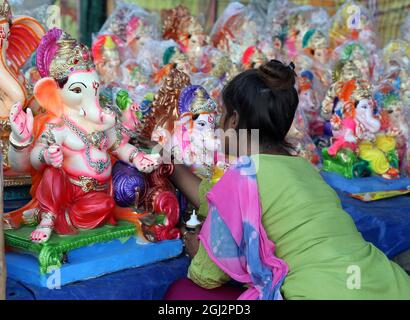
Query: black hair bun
278, 76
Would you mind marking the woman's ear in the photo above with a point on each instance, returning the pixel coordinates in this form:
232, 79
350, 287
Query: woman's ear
47, 94
233, 121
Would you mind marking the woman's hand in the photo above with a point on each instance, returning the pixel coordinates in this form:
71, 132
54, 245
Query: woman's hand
191, 241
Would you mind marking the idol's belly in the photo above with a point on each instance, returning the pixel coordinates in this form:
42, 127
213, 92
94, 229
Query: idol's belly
97, 166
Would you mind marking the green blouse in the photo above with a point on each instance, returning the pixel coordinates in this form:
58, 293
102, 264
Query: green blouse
327, 256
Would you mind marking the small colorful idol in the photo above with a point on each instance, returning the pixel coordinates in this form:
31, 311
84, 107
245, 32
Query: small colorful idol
195, 140
358, 129
315, 44
252, 58
138, 31
172, 58
395, 123
355, 52
346, 74
107, 58
352, 22
309, 103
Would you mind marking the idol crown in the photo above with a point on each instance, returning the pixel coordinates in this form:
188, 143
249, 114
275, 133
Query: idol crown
5, 10
70, 57
202, 104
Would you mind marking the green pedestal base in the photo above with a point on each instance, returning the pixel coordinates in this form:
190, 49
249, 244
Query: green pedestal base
51, 253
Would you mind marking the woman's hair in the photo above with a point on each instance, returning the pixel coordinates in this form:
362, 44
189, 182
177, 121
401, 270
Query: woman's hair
265, 99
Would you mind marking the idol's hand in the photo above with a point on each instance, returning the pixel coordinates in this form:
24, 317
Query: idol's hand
54, 156
21, 123
147, 162
161, 136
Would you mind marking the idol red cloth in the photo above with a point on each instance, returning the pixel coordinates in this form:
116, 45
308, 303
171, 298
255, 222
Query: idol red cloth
73, 208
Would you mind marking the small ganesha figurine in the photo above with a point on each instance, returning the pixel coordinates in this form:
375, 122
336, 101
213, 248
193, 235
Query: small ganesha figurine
138, 31
107, 57
194, 140
395, 123
315, 44
352, 22
252, 58
68, 147
359, 130
345, 75
173, 58
309, 103
185, 29
355, 52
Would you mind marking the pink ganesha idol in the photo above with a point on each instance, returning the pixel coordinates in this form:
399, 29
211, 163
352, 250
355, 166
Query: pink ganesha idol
70, 158
19, 38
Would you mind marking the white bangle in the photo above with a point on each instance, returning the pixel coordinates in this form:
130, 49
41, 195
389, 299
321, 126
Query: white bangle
18, 146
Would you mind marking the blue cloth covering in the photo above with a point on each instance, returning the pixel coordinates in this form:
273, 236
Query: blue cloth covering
361, 185
385, 223
146, 283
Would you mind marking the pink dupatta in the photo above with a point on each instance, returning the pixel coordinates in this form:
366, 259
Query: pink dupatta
234, 237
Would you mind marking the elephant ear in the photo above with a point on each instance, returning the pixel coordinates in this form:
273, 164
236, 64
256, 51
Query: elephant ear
47, 94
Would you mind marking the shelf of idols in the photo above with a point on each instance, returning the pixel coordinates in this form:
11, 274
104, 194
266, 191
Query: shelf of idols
88, 254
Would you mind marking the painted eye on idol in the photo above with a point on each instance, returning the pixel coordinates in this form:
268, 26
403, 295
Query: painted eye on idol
76, 90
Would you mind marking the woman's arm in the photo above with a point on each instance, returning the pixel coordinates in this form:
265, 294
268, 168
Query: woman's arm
187, 182
191, 241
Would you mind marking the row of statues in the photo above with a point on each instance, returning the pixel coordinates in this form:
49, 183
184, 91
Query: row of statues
82, 121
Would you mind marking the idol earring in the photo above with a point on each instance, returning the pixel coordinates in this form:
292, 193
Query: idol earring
82, 112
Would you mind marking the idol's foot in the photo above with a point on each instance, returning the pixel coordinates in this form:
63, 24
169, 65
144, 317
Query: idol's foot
44, 229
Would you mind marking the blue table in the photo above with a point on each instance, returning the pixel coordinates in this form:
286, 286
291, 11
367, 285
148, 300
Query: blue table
146, 283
